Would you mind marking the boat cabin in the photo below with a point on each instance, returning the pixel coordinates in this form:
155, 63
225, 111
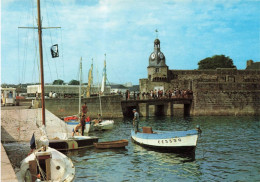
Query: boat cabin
44, 166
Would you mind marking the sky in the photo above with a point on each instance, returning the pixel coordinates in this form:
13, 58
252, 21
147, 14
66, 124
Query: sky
124, 30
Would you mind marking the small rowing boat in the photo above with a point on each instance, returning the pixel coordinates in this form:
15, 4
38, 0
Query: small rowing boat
111, 144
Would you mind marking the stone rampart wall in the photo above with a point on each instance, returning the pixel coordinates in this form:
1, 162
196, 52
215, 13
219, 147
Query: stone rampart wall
111, 106
226, 99
216, 92
218, 75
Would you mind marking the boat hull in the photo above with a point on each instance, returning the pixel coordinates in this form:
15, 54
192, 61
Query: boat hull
104, 125
60, 167
71, 125
73, 143
111, 144
176, 142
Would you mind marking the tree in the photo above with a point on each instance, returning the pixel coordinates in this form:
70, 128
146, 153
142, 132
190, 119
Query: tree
74, 82
58, 82
217, 61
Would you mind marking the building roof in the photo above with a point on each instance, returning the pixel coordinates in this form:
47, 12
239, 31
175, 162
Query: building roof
254, 66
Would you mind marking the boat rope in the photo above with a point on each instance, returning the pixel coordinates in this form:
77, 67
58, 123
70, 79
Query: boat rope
43, 174
43, 41
58, 18
24, 57
35, 46
50, 34
202, 145
62, 60
25, 47
19, 71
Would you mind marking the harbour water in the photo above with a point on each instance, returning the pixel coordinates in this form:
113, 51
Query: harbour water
228, 150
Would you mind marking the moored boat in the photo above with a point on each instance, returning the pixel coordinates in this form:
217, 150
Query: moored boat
73, 143
112, 144
169, 141
104, 125
71, 125
47, 165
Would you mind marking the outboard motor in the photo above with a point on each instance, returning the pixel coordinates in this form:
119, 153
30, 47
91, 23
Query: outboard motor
198, 129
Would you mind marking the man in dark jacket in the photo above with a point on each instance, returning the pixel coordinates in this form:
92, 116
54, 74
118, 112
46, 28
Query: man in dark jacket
83, 123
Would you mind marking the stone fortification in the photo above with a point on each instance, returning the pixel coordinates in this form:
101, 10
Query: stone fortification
223, 91
111, 106
216, 92
226, 99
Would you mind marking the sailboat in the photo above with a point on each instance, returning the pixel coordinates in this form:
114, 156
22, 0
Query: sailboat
103, 124
75, 142
45, 163
72, 121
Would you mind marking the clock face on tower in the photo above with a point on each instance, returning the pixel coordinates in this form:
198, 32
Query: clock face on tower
153, 55
161, 55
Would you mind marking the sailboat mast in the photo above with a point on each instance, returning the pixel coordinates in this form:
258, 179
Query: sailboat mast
80, 81
41, 60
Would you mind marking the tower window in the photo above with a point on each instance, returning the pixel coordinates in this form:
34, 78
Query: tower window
157, 70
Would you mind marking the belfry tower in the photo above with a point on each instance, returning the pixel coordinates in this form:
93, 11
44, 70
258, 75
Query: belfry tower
157, 69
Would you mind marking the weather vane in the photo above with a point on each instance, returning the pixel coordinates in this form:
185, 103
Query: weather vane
156, 33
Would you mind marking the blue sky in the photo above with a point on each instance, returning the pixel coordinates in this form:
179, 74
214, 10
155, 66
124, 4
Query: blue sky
189, 30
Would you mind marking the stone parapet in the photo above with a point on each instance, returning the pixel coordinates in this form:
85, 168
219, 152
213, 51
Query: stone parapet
111, 106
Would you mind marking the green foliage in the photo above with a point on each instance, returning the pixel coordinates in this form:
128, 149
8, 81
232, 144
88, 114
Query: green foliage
217, 61
58, 82
74, 82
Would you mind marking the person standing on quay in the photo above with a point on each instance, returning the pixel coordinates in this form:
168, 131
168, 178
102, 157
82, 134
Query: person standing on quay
50, 94
136, 120
83, 123
84, 109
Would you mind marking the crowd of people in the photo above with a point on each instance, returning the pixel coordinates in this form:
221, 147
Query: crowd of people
53, 95
159, 94
152, 94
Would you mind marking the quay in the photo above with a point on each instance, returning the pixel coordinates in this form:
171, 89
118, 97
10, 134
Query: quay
7, 171
18, 124
114, 106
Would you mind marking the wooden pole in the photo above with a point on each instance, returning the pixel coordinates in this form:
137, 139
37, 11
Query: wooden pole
80, 82
41, 60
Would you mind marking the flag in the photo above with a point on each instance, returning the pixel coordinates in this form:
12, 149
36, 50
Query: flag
32, 142
54, 51
104, 78
90, 79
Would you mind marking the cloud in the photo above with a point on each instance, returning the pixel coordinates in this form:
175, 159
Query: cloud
125, 30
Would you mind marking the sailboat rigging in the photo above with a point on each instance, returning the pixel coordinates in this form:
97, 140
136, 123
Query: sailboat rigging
72, 121
80, 82
104, 124
44, 160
